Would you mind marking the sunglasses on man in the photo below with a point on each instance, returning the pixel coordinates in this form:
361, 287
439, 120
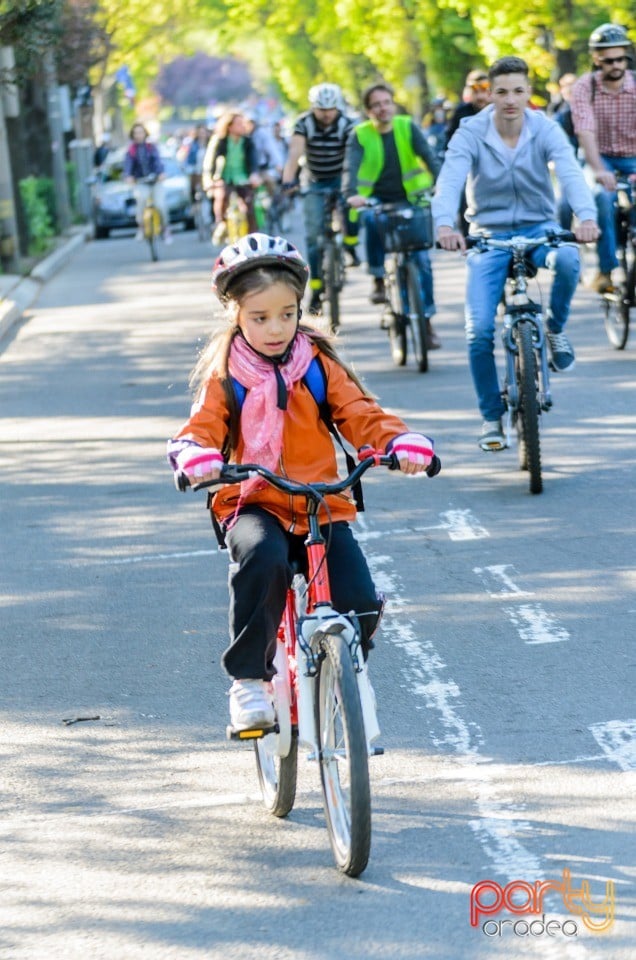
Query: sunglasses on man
480, 85
610, 60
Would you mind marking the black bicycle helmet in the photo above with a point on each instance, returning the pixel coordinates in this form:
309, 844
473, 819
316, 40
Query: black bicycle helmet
609, 35
256, 250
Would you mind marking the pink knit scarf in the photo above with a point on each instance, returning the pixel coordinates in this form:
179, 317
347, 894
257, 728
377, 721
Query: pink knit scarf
261, 418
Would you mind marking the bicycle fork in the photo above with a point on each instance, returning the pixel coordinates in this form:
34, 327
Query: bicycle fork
512, 320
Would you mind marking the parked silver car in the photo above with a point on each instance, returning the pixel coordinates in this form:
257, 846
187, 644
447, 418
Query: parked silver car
113, 200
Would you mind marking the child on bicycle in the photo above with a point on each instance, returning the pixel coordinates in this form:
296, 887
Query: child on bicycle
261, 281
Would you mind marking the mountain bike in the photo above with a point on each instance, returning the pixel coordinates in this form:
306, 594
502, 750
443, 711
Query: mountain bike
407, 229
526, 385
152, 224
618, 299
322, 694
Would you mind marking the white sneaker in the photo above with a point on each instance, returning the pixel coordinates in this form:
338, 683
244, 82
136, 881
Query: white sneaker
139, 235
167, 236
251, 704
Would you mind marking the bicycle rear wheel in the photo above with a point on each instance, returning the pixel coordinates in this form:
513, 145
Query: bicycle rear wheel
202, 218
394, 322
529, 411
616, 316
277, 753
344, 767
277, 775
333, 284
418, 321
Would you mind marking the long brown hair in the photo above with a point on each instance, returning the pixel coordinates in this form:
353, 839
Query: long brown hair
213, 359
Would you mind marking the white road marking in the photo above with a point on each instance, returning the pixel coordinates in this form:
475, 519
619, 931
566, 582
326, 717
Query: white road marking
534, 625
498, 576
151, 557
496, 828
617, 740
462, 525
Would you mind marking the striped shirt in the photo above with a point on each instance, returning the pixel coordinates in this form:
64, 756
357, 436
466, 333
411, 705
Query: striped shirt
324, 146
610, 115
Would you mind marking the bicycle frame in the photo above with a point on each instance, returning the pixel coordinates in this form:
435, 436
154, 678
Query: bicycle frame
318, 619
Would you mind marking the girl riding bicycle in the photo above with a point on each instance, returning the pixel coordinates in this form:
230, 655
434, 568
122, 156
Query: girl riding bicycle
264, 355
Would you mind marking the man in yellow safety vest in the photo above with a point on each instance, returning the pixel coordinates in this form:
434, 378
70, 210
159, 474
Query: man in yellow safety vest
388, 158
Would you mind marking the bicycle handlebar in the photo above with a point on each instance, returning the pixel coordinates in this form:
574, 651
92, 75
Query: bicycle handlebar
553, 238
238, 472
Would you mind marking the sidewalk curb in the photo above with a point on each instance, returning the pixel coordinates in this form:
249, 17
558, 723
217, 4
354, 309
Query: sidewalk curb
25, 291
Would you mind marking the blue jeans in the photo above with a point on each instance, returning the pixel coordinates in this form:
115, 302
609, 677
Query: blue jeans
314, 211
376, 254
486, 278
605, 200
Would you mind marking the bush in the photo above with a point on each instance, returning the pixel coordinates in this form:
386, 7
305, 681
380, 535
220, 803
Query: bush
38, 204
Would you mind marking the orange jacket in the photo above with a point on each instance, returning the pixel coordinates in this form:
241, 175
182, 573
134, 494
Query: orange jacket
308, 452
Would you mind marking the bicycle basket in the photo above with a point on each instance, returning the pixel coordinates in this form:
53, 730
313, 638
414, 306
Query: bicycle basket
410, 228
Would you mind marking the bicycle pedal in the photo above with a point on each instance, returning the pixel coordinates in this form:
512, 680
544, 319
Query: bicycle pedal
254, 733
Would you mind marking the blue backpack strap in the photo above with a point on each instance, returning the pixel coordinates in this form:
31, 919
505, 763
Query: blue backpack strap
316, 381
240, 392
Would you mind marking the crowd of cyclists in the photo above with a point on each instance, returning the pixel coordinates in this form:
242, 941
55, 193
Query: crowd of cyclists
490, 164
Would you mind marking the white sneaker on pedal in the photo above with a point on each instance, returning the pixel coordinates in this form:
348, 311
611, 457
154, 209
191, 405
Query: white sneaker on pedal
251, 704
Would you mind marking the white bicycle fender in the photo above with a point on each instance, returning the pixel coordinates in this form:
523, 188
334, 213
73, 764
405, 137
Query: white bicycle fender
282, 702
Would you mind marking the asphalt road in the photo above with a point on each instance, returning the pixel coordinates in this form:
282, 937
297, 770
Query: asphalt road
505, 672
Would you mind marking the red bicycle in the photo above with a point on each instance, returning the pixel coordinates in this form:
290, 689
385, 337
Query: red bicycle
322, 694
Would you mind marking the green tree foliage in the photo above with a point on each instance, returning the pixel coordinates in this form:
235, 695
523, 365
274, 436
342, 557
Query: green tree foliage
417, 45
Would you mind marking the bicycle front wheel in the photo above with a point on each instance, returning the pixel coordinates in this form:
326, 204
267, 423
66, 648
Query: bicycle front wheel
418, 321
529, 411
277, 753
344, 767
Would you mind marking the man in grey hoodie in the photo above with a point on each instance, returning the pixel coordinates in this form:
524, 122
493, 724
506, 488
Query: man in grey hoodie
504, 151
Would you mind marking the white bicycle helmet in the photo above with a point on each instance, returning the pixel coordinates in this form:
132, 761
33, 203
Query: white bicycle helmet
326, 96
609, 35
256, 250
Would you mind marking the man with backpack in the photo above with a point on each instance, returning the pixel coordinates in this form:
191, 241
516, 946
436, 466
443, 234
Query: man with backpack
604, 114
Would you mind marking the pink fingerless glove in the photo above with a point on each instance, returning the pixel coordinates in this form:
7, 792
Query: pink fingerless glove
414, 447
196, 461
